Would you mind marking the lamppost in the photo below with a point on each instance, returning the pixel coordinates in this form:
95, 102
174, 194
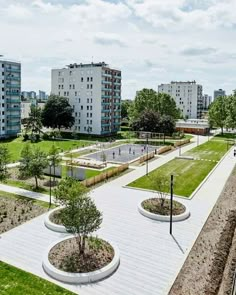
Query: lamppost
171, 201
50, 185
147, 154
180, 148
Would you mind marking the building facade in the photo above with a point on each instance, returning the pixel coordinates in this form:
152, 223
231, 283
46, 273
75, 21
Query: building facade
187, 95
219, 92
94, 92
28, 95
207, 100
194, 126
10, 95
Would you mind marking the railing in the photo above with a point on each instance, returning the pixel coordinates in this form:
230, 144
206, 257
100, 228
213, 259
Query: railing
13, 70
12, 93
13, 100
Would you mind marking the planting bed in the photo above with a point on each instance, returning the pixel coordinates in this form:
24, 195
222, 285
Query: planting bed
153, 205
15, 210
210, 265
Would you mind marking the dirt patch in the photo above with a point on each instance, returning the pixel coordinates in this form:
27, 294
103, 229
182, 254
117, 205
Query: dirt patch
156, 206
210, 266
55, 217
15, 211
65, 255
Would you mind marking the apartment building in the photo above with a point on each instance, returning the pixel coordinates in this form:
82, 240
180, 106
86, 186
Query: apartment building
10, 92
207, 100
187, 95
219, 92
94, 92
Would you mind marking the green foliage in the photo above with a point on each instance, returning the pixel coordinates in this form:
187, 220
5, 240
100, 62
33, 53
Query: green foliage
149, 99
34, 122
4, 160
80, 215
57, 113
32, 163
218, 113
125, 105
161, 184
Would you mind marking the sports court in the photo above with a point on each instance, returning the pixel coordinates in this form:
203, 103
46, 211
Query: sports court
123, 153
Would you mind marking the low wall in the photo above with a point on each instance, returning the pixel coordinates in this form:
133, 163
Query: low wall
181, 142
164, 149
146, 157
105, 175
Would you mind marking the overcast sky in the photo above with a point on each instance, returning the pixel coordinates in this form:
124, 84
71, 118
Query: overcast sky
151, 41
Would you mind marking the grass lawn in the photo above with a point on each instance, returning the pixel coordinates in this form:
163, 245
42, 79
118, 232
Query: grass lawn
92, 173
27, 186
16, 145
188, 174
225, 136
211, 150
18, 282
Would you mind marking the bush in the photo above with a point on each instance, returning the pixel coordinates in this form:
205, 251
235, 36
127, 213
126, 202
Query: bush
25, 137
45, 136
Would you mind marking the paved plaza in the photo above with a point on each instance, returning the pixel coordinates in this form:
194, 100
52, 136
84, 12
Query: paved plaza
123, 154
150, 257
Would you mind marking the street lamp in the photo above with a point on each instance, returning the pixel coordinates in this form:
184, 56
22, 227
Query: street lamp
50, 185
171, 201
147, 154
180, 148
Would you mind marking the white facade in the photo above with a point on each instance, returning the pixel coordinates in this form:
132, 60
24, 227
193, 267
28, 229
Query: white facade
25, 109
187, 95
10, 90
94, 92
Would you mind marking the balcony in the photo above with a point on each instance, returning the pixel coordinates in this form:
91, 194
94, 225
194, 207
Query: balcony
105, 111
12, 70
106, 103
116, 117
9, 116
13, 100
12, 109
106, 96
106, 82
116, 123
12, 93
8, 85
10, 78
13, 123
12, 131
106, 75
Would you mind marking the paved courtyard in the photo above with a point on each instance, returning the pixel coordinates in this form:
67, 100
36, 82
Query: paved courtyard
150, 257
123, 153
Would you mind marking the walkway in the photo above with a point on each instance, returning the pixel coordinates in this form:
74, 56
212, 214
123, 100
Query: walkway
150, 257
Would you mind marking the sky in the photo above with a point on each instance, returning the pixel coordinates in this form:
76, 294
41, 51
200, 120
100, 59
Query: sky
150, 41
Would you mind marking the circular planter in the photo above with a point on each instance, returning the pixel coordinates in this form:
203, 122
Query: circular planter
53, 226
80, 278
160, 217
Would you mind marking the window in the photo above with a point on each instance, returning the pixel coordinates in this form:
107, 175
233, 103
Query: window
3, 120
3, 97
91, 100
87, 79
91, 79
91, 86
3, 105
87, 108
73, 86
70, 73
59, 93
87, 115
79, 121
79, 114
87, 100
64, 93
82, 79
91, 114
59, 86
75, 93
87, 86
75, 114
81, 107
91, 107
79, 99
3, 128
91, 122
59, 73
84, 128
67, 93
87, 121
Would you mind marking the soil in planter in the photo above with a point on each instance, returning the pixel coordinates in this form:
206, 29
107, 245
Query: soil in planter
65, 255
155, 206
55, 217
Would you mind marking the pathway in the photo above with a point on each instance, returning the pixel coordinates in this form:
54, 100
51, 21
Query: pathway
150, 257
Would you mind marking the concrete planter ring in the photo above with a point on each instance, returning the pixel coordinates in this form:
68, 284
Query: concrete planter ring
166, 218
80, 278
53, 226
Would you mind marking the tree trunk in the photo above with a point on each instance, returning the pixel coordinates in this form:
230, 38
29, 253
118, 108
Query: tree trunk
78, 240
222, 130
36, 182
54, 172
83, 244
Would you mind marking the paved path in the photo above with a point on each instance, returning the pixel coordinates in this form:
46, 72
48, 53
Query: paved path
150, 257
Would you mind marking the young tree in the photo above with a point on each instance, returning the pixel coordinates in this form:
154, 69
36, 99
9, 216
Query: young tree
80, 215
4, 160
218, 113
34, 122
167, 125
148, 121
57, 113
125, 105
32, 163
54, 158
161, 184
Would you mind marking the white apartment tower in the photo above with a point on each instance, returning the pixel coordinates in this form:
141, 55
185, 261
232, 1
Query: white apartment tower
94, 92
187, 95
10, 98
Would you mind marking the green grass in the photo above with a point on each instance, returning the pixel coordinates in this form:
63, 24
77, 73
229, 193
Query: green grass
18, 282
16, 145
188, 174
211, 150
225, 136
92, 173
24, 185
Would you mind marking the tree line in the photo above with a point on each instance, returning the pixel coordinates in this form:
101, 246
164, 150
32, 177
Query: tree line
222, 112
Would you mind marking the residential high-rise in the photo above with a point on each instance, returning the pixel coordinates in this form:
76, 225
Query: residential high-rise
187, 95
10, 91
42, 95
28, 95
207, 100
219, 92
94, 92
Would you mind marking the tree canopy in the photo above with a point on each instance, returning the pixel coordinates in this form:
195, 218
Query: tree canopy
57, 113
149, 99
125, 105
4, 160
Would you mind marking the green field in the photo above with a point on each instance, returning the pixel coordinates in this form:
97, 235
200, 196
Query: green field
188, 174
225, 136
16, 145
18, 282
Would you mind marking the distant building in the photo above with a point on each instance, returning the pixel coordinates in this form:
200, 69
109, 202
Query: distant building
10, 92
26, 107
42, 95
219, 92
94, 92
194, 126
207, 100
187, 95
